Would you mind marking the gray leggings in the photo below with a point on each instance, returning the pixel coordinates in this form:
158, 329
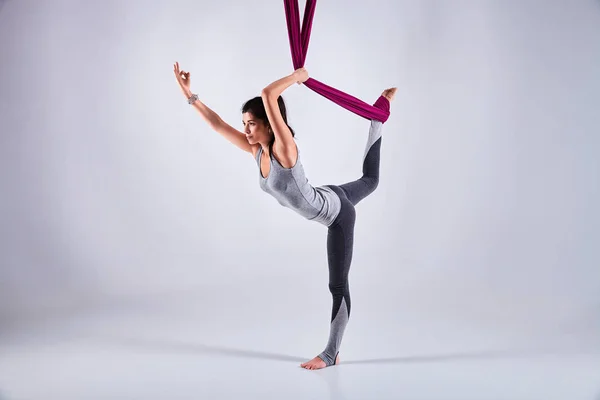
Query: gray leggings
340, 241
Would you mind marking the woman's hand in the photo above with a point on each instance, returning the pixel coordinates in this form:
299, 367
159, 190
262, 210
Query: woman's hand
301, 75
183, 78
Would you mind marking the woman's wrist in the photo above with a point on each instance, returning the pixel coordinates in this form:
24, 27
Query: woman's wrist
187, 92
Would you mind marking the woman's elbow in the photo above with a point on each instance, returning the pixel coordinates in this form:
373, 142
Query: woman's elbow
266, 93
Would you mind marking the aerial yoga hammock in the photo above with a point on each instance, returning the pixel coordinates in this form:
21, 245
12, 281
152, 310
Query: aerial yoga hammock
338, 212
299, 40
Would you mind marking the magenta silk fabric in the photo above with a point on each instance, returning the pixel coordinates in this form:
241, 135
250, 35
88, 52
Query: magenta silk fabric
299, 39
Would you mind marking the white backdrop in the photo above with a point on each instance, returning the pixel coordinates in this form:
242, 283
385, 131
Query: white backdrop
114, 189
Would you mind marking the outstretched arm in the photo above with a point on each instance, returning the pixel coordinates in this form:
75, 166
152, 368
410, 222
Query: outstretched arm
210, 117
284, 141
233, 135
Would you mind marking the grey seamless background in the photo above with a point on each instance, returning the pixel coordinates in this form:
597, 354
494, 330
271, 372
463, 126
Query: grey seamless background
114, 189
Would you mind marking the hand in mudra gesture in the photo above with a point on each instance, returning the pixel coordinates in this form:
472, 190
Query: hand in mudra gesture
183, 78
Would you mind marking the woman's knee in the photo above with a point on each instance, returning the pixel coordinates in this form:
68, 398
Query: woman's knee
371, 183
374, 182
339, 288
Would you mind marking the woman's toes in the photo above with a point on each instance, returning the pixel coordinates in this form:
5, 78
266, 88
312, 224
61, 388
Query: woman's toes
389, 93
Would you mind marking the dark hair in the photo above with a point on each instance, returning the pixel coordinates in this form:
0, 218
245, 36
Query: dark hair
257, 108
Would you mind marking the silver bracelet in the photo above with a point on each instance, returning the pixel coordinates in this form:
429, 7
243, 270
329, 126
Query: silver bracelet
192, 98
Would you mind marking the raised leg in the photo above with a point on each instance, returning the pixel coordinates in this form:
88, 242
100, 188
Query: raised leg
368, 182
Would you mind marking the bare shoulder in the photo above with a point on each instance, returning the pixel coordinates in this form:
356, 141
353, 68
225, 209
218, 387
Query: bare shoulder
254, 149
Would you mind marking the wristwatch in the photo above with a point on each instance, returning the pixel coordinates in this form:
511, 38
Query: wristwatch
192, 98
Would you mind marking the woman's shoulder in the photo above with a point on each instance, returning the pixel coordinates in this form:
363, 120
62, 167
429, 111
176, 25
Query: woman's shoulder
256, 149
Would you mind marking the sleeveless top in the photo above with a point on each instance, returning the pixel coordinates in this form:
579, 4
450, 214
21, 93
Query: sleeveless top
291, 189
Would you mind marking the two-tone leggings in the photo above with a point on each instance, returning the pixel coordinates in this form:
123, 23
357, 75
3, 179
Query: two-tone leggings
340, 239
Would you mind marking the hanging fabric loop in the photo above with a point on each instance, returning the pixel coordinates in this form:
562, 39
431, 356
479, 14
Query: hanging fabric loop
299, 39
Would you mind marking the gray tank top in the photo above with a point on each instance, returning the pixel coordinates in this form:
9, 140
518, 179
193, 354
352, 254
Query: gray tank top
291, 189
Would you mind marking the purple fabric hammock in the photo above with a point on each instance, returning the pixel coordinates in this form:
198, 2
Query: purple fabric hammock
379, 111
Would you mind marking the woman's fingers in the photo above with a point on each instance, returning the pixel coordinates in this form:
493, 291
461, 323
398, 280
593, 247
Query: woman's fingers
182, 76
179, 72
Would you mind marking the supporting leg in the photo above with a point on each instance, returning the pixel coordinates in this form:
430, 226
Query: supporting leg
340, 243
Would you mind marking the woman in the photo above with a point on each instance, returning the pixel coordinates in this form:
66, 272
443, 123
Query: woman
270, 140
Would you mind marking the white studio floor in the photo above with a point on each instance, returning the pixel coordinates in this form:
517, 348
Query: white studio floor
211, 344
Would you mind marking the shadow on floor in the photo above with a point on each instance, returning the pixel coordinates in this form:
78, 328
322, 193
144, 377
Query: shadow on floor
466, 356
155, 345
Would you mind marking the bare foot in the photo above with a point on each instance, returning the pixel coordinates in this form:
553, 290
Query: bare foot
317, 363
389, 93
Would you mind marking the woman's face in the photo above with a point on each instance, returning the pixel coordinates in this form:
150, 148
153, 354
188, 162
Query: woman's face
256, 130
